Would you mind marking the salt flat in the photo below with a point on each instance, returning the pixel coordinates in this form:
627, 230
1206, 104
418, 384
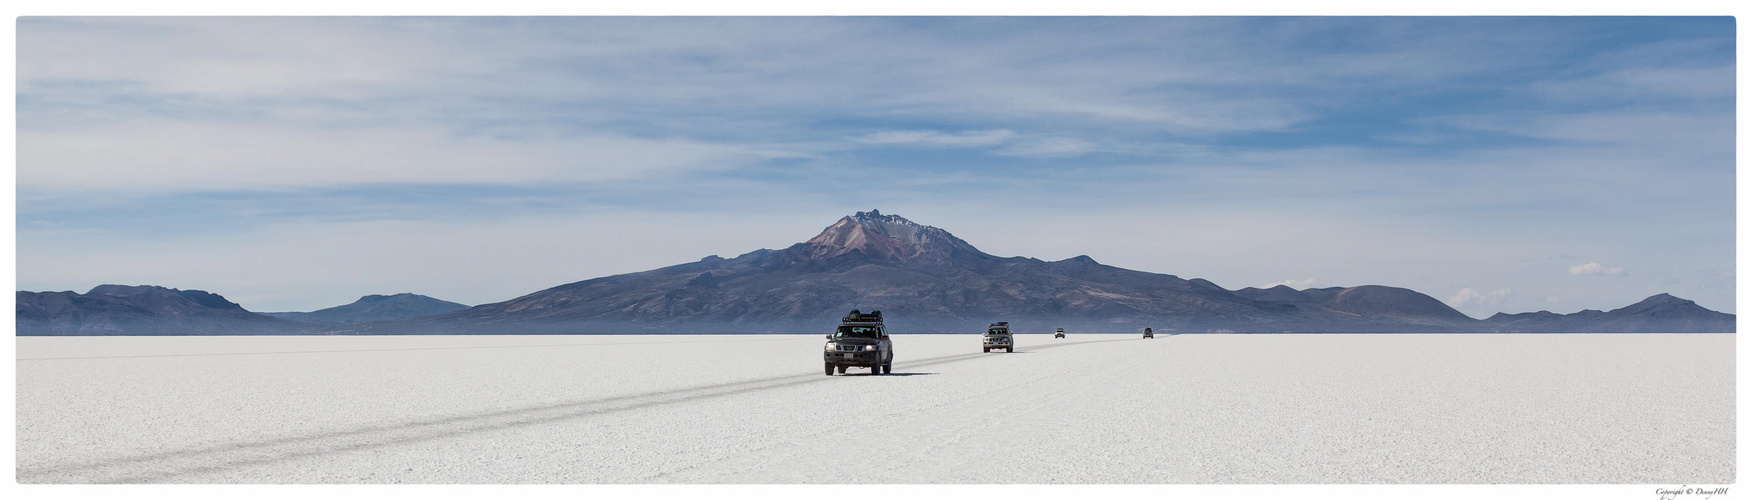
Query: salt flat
1590, 408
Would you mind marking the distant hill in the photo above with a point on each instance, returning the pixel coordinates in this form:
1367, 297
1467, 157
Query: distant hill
375, 308
1659, 313
140, 310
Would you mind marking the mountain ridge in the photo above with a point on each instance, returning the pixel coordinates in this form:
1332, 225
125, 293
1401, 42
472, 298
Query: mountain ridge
924, 278
928, 280
140, 310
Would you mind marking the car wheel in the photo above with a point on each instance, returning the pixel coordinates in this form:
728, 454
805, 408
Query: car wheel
842, 369
986, 349
830, 369
1009, 349
888, 367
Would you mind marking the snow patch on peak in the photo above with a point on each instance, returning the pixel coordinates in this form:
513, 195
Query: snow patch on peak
890, 237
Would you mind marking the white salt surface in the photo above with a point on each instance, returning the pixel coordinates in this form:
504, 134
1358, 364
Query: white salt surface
757, 409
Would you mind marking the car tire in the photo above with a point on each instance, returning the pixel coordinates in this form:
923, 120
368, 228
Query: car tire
842, 369
888, 368
986, 349
1009, 349
830, 369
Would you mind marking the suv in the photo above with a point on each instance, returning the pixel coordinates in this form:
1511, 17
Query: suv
1149, 334
1058, 334
997, 336
860, 340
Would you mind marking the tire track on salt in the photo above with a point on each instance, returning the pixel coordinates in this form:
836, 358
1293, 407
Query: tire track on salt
158, 467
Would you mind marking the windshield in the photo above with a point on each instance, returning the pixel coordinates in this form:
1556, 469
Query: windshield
852, 331
996, 331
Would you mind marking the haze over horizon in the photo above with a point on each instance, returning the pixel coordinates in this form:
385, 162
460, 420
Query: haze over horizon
294, 164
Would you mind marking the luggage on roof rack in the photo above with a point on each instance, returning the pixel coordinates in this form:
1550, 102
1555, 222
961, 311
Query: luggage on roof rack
861, 317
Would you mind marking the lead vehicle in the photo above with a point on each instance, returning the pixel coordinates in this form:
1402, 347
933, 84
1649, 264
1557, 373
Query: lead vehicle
998, 337
860, 340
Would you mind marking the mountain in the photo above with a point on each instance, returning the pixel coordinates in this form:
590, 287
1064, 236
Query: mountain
140, 310
375, 308
1659, 313
926, 280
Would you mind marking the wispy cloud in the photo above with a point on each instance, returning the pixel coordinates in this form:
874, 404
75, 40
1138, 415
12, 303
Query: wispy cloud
181, 157
1054, 147
971, 138
1292, 283
1595, 269
1469, 297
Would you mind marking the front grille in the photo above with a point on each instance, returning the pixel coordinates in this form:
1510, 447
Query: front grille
851, 348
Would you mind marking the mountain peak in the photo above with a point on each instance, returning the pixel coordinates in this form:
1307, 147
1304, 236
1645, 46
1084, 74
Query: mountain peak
1663, 298
1660, 303
884, 237
379, 297
126, 290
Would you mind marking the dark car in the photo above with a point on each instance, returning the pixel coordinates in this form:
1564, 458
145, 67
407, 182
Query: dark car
860, 340
1149, 334
998, 337
1058, 334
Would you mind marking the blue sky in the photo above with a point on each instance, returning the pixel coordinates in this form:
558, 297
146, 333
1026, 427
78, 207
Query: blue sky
1497, 164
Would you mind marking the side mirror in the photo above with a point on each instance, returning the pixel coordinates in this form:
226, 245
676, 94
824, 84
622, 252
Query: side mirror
830, 337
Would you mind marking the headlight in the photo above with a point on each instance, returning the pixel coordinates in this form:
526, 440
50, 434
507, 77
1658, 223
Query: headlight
832, 347
869, 348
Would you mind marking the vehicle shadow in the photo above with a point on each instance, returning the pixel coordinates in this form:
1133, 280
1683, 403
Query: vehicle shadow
898, 374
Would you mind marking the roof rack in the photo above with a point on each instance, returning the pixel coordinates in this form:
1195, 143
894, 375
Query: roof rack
860, 317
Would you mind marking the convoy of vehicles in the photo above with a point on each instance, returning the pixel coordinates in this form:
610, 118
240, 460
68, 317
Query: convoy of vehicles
861, 340
998, 336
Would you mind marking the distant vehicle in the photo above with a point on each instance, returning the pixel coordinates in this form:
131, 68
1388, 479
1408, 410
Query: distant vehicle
1058, 334
1149, 334
997, 336
860, 340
